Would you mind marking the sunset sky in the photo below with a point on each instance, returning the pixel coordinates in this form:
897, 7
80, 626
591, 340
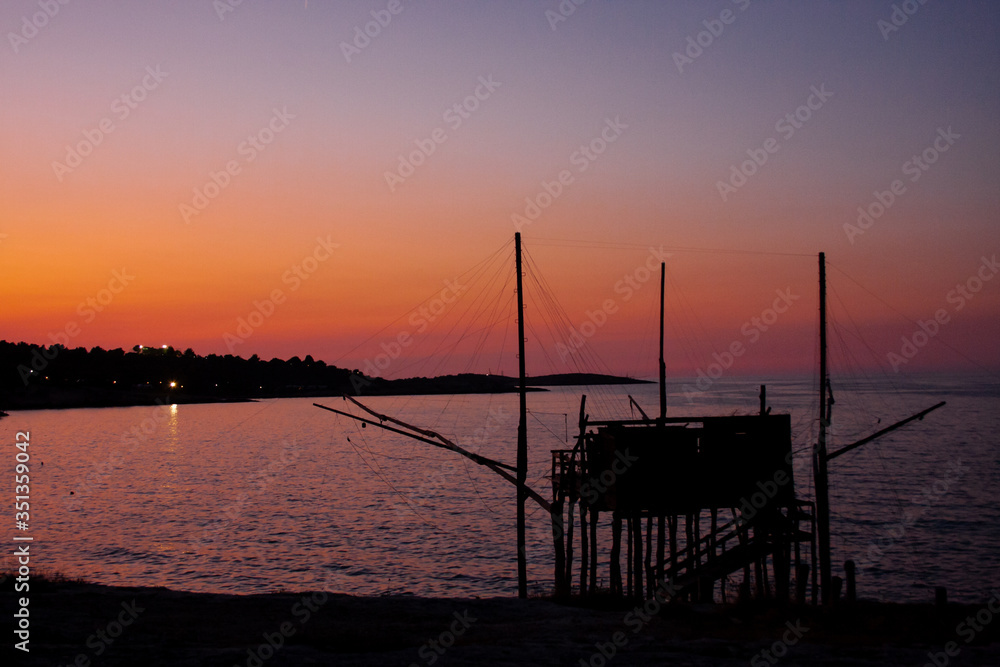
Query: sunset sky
180, 163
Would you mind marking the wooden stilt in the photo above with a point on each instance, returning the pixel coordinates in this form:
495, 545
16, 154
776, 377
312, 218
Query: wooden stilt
672, 520
852, 591
758, 569
584, 549
559, 541
797, 565
594, 517
689, 544
661, 537
649, 557
616, 552
568, 572
743, 535
765, 583
812, 561
712, 552
801, 583
637, 592
628, 558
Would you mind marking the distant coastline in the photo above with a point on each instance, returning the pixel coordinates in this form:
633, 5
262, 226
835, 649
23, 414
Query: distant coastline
40, 378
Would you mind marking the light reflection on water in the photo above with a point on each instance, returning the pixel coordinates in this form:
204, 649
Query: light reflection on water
281, 495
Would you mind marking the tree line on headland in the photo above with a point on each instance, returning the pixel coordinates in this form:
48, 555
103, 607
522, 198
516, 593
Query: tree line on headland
36, 376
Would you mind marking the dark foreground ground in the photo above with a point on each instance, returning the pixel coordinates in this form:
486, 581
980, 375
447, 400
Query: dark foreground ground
86, 624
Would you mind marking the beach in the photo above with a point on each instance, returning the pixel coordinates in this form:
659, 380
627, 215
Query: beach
77, 623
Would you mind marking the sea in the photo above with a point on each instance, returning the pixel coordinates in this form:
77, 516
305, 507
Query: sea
279, 495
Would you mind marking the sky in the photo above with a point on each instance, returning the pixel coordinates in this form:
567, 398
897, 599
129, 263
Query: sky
293, 178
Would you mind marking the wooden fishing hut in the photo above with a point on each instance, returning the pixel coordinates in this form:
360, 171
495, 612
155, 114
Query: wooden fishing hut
697, 498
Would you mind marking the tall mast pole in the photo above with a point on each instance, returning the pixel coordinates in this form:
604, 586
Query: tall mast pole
522, 431
663, 365
820, 457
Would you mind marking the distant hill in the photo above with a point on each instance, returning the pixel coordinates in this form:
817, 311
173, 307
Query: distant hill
471, 383
567, 379
35, 376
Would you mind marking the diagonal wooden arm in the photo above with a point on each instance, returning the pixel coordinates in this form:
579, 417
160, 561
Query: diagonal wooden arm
496, 466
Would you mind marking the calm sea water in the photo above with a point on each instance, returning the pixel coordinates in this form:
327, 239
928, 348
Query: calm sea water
279, 494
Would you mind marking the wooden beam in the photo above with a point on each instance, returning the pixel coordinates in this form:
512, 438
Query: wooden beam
495, 466
879, 434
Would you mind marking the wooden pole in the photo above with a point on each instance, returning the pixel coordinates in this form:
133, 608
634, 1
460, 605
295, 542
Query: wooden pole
879, 434
663, 365
495, 466
801, 583
559, 537
522, 431
594, 518
584, 551
672, 523
616, 551
649, 557
568, 572
689, 545
700, 591
628, 557
637, 589
820, 458
661, 541
851, 572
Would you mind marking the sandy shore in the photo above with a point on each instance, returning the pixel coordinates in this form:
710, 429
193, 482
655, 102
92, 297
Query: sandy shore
87, 624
